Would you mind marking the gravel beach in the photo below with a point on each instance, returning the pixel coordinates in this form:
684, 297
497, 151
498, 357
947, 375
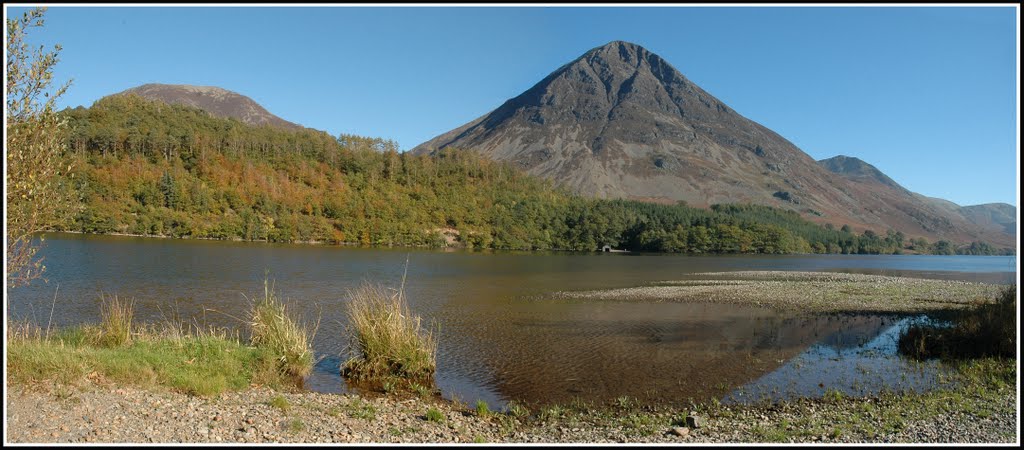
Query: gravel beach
97, 414
806, 291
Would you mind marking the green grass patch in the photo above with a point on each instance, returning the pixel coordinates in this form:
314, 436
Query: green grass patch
482, 410
115, 321
517, 410
296, 425
279, 402
420, 390
360, 409
434, 415
205, 364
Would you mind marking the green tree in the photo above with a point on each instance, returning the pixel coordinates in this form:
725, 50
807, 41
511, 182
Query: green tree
169, 190
39, 195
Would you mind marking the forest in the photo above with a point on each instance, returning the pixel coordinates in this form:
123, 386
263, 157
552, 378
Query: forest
148, 168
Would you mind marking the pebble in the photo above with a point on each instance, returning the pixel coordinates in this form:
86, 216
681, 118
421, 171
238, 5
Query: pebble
680, 431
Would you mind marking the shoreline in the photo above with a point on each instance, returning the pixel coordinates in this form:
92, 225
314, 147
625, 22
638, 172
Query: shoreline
104, 413
465, 247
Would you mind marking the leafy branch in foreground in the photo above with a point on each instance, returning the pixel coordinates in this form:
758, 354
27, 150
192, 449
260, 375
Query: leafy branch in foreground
38, 173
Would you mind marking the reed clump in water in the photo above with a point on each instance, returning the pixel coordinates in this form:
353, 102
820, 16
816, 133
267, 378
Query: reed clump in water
388, 341
283, 336
986, 329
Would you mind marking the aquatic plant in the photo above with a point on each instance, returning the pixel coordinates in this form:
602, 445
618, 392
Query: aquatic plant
274, 330
986, 329
388, 340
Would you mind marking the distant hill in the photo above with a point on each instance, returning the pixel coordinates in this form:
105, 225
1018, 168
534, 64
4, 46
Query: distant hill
214, 100
997, 215
621, 122
995, 223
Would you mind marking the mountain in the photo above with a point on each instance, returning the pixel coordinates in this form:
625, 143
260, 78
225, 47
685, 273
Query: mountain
214, 100
991, 223
995, 215
621, 122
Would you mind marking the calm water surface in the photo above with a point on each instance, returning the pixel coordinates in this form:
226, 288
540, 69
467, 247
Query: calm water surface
500, 337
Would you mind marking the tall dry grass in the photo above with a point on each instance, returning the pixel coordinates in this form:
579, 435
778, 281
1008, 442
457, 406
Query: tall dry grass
387, 340
115, 321
986, 329
284, 336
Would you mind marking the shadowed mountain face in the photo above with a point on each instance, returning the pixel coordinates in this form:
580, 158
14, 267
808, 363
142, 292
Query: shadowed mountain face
621, 122
214, 100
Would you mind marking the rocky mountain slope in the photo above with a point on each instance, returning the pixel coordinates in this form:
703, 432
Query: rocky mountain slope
214, 100
621, 122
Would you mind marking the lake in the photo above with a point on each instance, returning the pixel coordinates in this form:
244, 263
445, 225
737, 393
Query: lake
501, 337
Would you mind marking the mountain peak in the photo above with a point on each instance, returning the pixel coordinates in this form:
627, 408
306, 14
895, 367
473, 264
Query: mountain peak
622, 47
857, 169
217, 101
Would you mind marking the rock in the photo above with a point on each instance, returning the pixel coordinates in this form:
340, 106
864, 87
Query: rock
694, 421
679, 431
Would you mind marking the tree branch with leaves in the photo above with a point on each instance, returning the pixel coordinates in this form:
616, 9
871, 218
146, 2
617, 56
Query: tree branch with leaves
38, 177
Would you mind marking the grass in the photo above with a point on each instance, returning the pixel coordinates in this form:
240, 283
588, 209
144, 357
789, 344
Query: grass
167, 355
482, 410
280, 402
550, 413
362, 410
389, 341
986, 329
517, 410
421, 390
434, 415
281, 334
115, 322
203, 364
296, 425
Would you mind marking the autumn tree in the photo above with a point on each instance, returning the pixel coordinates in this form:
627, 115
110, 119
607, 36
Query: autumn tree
39, 195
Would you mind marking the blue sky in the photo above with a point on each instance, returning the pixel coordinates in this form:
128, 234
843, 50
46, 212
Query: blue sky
927, 95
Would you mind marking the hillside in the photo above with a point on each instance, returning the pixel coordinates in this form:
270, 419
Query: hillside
148, 169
